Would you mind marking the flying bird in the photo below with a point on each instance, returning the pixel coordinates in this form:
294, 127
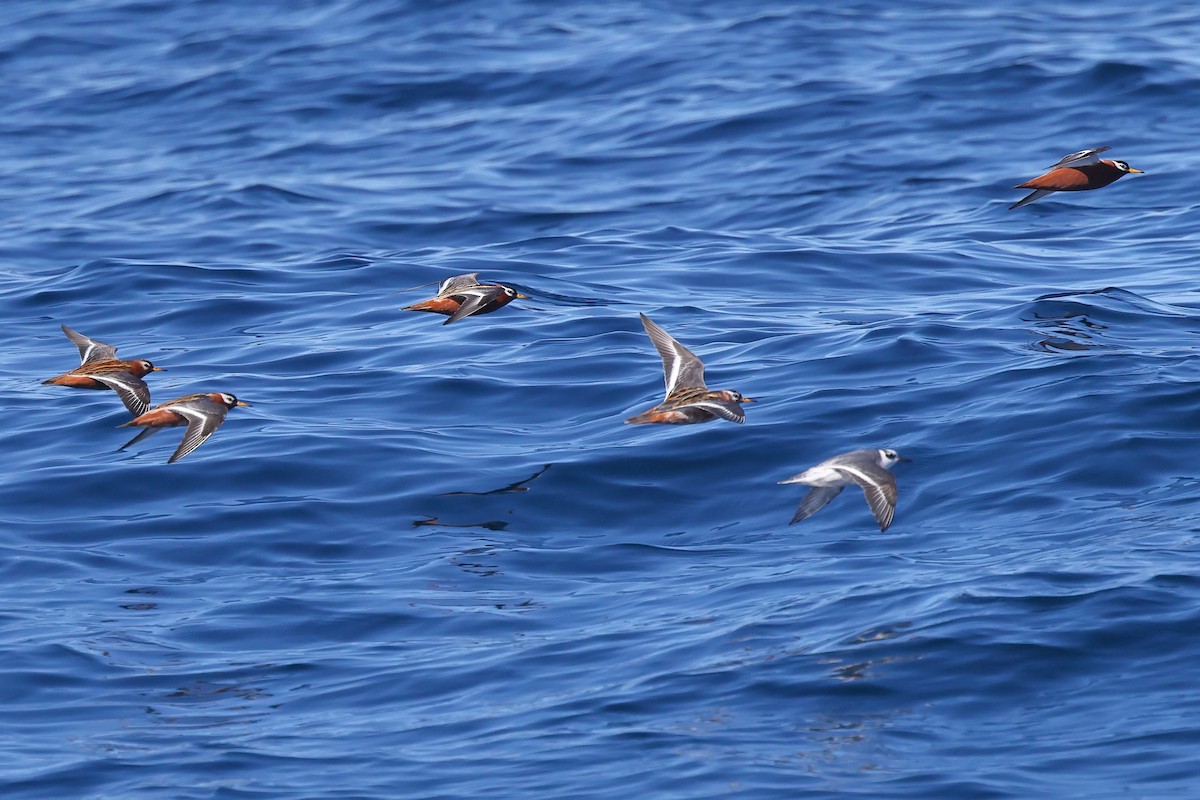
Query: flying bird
870, 470
688, 400
99, 368
464, 296
1076, 172
202, 413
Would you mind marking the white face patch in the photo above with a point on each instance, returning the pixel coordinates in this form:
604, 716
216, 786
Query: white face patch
228, 399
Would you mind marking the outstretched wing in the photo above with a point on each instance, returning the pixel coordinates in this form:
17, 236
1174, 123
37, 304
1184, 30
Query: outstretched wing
879, 487
1080, 159
89, 349
458, 283
681, 368
1029, 198
132, 390
472, 300
142, 435
817, 498
204, 416
730, 411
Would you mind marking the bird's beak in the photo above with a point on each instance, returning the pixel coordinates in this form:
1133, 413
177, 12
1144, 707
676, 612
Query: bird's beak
1138, 171
519, 296
240, 403
749, 400
157, 369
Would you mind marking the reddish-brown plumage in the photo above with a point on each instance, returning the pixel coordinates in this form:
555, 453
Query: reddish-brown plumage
79, 377
438, 305
663, 418
449, 304
158, 418
1076, 179
76, 381
140, 368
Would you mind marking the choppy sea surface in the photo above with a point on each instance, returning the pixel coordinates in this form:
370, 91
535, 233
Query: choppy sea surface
430, 561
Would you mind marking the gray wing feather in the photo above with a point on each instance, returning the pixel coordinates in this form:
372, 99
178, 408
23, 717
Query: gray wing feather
881, 505
204, 416
817, 498
458, 283
730, 411
1079, 159
133, 391
879, 487
144, 433
681, 368
473, 300
89, 349
1036, 194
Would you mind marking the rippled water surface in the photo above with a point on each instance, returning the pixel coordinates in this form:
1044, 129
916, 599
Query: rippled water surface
431, 561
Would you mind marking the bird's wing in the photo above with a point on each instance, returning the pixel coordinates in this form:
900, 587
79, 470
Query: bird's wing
89, 349
472, 300
142, 435
1029, 198
458, 283
879, 487
132, 390
203, 418
1079, 159
681, 368
817, 498
730, 411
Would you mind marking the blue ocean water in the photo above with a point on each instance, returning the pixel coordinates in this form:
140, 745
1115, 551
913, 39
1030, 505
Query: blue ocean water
432, 562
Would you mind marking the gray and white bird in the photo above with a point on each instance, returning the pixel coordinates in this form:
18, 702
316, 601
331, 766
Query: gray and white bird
869, 469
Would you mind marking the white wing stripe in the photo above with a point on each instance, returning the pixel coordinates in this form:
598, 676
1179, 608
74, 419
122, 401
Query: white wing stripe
860, 477
676, 367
